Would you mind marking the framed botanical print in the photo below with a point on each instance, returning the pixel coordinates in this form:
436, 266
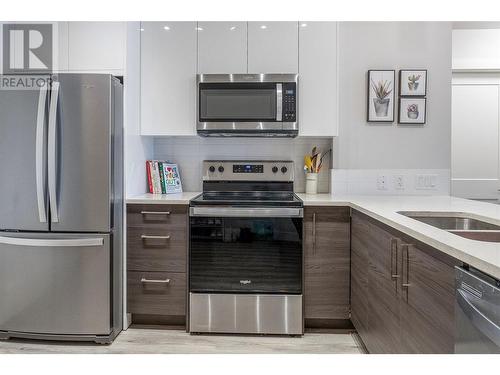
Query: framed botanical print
381, 86
413, 82
412, 111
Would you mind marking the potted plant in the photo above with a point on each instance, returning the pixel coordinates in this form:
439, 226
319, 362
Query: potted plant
381, 102
413, 82
412, 111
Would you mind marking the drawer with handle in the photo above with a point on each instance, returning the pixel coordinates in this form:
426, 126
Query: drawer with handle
158, 293
157, 215
156, 249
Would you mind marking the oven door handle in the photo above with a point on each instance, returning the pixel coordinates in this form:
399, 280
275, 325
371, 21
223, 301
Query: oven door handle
246, 212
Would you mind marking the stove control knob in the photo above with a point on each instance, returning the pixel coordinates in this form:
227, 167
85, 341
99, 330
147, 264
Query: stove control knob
221, 169
275, 169
211, 169
284, 169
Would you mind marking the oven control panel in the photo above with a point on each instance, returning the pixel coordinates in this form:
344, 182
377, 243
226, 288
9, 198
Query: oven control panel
225, 170
248, 168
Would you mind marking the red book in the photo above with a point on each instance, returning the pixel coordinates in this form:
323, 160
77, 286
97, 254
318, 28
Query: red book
150, 182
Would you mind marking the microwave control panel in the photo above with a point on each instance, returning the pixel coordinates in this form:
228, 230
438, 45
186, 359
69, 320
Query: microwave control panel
289, 101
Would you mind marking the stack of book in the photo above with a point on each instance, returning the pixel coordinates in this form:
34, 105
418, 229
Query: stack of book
163, 177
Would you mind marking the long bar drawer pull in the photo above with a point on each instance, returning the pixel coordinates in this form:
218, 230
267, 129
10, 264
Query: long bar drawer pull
145, 237
394, 246
155, 212
155, 281
406, 283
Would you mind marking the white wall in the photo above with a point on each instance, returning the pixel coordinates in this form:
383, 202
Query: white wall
364, 151
189, 152
394, 45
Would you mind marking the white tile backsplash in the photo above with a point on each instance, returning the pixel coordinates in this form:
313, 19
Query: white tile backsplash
189, 153
364, 181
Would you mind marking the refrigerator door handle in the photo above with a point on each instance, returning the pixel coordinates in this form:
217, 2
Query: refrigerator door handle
40, 155
42, 242
52, 167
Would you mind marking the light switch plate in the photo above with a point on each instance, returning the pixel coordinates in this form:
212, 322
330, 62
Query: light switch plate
426, 182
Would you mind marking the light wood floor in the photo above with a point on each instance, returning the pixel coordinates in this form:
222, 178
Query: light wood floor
158, 341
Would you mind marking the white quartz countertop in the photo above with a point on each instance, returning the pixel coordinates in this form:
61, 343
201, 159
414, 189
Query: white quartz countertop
178, 198
484, 256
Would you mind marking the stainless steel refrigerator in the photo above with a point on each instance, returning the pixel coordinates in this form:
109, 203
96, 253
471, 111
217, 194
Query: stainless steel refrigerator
61, 209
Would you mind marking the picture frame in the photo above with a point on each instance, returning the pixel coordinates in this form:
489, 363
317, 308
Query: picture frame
381, 89
412, 110
413, 82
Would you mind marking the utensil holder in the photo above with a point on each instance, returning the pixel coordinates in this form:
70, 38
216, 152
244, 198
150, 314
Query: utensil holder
311, 183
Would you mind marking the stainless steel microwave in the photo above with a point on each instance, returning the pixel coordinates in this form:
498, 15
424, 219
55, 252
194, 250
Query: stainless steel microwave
254, 105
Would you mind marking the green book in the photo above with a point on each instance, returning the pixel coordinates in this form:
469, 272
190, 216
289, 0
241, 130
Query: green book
162, 178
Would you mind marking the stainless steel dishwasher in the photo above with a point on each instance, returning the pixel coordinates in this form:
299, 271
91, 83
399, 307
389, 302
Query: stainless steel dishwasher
477, 312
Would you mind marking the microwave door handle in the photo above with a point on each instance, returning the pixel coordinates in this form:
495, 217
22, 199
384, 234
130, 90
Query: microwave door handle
279, 102
52, 165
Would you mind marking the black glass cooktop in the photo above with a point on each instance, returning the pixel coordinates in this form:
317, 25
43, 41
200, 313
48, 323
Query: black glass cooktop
248, 198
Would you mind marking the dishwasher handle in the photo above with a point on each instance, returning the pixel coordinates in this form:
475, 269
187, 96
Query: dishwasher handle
485, 325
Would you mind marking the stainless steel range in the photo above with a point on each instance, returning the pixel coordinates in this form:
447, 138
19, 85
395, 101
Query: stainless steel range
246, 250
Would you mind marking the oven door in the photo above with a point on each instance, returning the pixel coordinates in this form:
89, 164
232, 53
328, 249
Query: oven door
246, 250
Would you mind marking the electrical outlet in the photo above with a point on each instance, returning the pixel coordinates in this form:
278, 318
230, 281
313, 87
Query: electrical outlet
382, 182
399, 182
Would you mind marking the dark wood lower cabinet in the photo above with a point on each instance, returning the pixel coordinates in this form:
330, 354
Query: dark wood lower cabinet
326, 264
359, 280
156, 293
402, 291
157, 246
428, 302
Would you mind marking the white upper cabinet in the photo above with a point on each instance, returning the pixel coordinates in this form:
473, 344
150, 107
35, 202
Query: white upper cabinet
92, 47
168, 76
222, 47
273, 47
318, 94
318, 79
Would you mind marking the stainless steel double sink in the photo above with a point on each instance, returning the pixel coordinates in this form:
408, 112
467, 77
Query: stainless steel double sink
458, 223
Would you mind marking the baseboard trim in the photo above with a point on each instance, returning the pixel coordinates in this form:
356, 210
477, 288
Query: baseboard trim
337, 324
145, 320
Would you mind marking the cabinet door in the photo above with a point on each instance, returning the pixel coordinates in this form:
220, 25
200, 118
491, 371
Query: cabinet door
168, 71
327, 259
96, 47
476, 126
318, 100
360, 243
427, 303
222, 47
273, 47
383, 298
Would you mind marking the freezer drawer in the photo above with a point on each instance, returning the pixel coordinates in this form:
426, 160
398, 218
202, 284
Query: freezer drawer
55, 284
